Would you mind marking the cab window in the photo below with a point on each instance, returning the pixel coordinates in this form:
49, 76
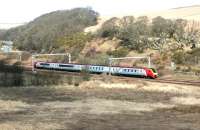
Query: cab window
154, 70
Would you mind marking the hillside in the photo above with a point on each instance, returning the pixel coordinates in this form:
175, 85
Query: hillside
191, 13
2, 31
42, 34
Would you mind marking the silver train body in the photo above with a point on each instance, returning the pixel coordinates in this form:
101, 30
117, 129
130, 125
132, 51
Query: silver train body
128, 71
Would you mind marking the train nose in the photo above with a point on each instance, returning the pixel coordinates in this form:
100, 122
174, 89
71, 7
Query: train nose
155, 76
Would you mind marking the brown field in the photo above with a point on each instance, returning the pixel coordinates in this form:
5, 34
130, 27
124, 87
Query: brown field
96, 105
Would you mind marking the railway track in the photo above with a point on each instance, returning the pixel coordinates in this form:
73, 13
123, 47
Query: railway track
170, 81
122, 79
181, 82
130, 79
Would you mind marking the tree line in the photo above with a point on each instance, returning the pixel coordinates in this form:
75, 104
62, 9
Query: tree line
43, 34
141, 33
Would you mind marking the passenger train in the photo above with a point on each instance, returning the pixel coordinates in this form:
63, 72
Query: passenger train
114, 70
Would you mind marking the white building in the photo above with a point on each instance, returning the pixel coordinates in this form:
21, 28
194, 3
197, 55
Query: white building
6, 46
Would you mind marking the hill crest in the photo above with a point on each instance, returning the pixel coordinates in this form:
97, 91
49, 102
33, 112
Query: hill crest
190, 13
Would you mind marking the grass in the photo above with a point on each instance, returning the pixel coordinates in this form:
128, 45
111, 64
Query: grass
185, 109
90, 106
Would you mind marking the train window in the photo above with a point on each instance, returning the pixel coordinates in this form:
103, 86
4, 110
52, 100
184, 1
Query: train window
131, 70
44, 64
135, 70
66, 66
154, 70
125, 70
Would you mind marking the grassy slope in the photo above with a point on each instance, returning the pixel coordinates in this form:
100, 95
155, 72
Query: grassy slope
189, 13
91, 106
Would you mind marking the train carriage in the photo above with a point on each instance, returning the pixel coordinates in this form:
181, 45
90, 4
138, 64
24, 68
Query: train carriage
115, 70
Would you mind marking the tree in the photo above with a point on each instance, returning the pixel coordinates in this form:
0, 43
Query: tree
110, 28
192, 37
179, 29
135, 35
73, 43
162, 27
126, 21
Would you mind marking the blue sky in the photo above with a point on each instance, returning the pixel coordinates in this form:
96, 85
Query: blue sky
19, 11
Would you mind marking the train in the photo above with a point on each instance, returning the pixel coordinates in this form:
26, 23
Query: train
143, 72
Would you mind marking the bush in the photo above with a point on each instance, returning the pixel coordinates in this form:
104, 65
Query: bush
69, 80
42, 79
15, 76
109, 28
10, 75
77, 81
98, 59
179, 57
195, 52
109, 33
85, 74
119, 53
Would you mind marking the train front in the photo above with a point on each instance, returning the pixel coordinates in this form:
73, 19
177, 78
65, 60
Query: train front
151, 73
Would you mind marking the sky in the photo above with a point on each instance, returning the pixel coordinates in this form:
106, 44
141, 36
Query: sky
14, 12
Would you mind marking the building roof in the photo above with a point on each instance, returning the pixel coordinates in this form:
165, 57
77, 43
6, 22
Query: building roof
7, 43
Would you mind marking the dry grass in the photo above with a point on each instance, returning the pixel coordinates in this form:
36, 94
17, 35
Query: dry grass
100, 45
96, 105
186, 100
186, 109
9, 105
19, 126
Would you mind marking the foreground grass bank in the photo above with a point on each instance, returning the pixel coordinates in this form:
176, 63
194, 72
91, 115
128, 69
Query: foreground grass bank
98, 105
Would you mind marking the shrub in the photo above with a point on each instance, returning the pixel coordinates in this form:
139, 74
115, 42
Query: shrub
98, 59
179, 57
77, 81
195, 52
85, 74
109, 33
196, 71
15, 76
70, 80
42, 79
109, 28
119, 53
10, 75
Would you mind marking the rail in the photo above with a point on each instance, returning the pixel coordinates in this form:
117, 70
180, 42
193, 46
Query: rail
120, 78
